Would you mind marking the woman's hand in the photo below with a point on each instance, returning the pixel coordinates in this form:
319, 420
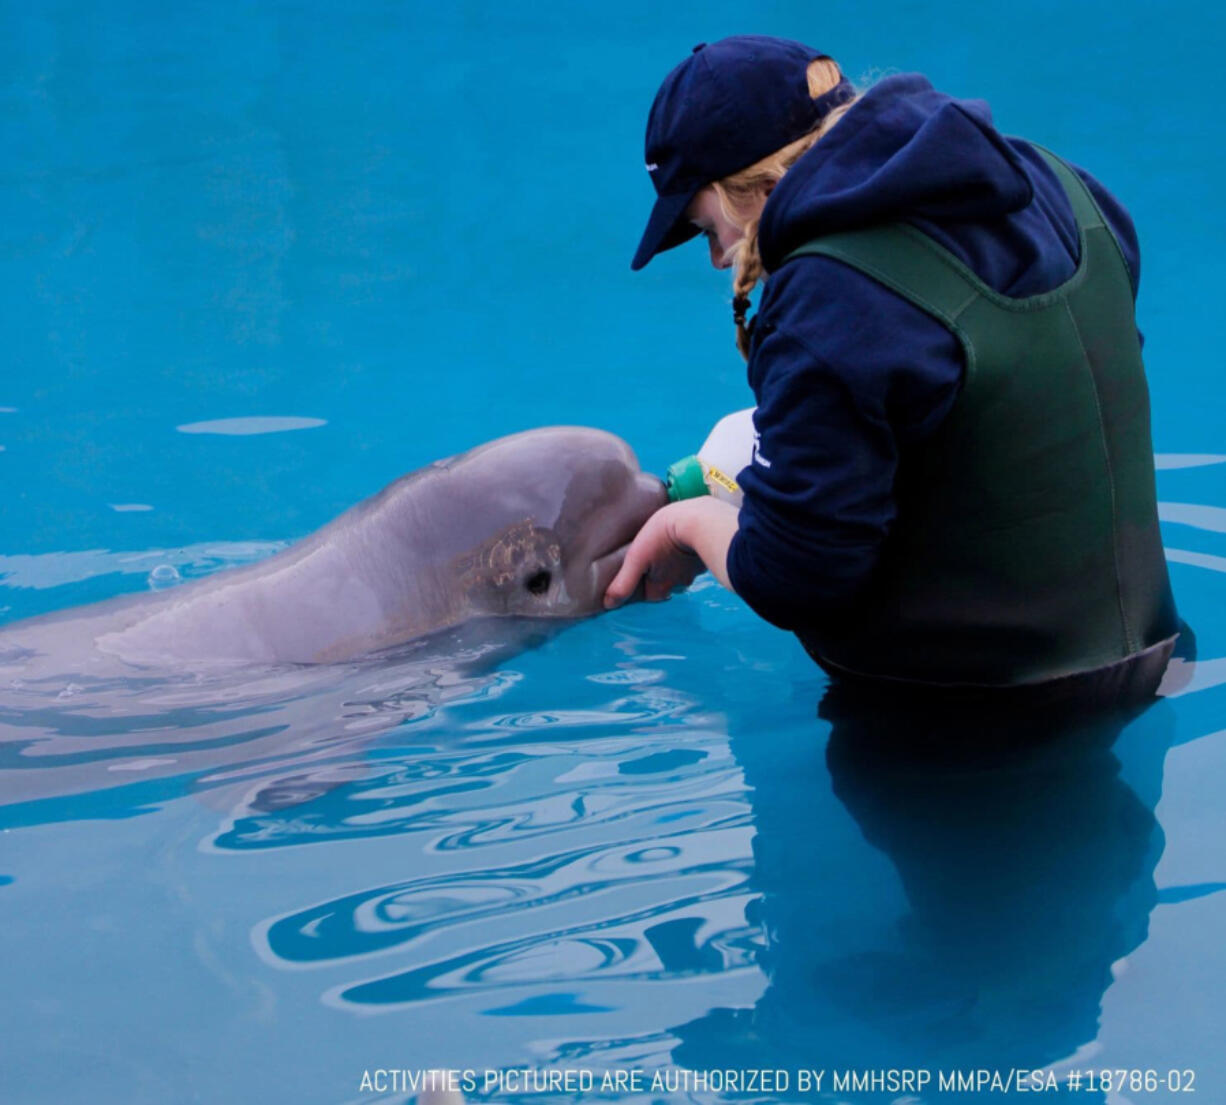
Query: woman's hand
675, 545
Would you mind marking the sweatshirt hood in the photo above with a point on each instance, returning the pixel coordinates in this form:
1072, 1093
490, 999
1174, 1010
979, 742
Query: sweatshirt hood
902, 151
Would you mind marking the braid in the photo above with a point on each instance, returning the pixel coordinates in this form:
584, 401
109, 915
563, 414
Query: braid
744, 191
746, 274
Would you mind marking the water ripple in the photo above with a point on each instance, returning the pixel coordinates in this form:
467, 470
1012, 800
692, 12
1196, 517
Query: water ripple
254, 424
678, 922
653, 706
376, 920
1186, 460
488, 796
262, 727
45, 570
1197, 560
1212, 518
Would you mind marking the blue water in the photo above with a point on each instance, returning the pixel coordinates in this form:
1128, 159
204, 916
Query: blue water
635, 847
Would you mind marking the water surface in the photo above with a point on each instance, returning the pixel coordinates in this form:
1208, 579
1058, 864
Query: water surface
260, 261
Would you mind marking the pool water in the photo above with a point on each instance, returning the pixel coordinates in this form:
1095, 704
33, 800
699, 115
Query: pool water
260, 260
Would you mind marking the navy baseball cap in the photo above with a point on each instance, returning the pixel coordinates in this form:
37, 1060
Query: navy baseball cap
726, 106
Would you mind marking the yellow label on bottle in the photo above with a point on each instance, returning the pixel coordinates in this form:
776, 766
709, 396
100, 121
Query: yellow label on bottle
726, 482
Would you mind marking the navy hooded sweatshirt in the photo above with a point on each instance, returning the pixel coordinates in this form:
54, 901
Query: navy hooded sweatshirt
847, 374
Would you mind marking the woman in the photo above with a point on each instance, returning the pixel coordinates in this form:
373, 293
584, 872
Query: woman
952, 484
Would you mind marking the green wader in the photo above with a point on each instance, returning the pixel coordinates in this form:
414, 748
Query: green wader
1025, 547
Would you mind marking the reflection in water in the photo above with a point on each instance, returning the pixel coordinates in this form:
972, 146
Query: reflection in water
631, 867
469, 793
940, 890
82, 746
947, 890
1025, 849
1009, 871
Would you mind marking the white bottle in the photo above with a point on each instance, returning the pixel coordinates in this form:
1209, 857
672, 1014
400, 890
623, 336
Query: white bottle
713, 470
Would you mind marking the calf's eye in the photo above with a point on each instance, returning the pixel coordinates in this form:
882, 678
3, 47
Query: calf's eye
538, 582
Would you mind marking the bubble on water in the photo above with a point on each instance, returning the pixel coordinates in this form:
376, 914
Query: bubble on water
163, 576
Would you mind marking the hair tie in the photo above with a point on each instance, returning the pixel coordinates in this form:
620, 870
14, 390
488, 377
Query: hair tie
740, 304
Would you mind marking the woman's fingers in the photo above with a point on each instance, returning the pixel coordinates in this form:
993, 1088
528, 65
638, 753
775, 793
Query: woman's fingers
633, 568
671, 572
656, 557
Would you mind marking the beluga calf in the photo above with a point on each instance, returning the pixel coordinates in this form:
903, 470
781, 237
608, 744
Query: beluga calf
532, 525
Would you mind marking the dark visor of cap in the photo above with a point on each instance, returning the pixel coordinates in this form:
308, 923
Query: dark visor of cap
667, 227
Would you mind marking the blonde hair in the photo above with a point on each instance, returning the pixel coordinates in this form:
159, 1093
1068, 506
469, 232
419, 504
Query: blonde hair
741, 195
